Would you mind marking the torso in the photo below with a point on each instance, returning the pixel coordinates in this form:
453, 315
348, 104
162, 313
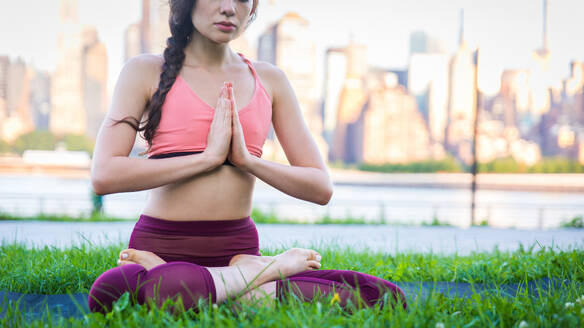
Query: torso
226, 192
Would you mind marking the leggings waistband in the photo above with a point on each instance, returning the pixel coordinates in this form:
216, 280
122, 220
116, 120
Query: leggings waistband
194, 227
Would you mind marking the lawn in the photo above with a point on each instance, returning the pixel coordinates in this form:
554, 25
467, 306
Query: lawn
50, 270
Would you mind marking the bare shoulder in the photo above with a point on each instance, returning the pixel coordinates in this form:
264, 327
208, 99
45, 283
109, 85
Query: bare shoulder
144, 64
145, 70
273, 78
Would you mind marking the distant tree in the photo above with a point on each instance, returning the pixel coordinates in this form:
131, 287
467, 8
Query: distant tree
448, 164
38, 140
546, 165
4, 147
75, 142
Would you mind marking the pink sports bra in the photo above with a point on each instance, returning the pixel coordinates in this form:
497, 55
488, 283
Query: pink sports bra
186, 119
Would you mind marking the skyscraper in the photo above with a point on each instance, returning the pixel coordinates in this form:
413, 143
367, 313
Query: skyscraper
428, 82
347, 139
78, 89
540, 77
4, 63
335, 74
421, 42
394, 130
132, 41
94, 80
462, 95
156, 25
40, 99
288, 44
17, 115
68, 114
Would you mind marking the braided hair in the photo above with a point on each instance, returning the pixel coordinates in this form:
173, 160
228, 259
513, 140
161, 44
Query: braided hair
181, 29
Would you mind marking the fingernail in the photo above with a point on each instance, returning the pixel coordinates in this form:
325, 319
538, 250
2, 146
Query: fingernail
318, 258
124, 255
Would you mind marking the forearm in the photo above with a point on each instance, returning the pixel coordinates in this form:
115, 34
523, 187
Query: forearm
306, 183
124, 174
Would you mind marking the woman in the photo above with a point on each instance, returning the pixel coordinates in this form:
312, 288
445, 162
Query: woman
195, 238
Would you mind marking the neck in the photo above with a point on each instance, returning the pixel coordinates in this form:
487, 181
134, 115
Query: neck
200, 51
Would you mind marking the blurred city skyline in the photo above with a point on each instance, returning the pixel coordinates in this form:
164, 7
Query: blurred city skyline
506, 31
362, 102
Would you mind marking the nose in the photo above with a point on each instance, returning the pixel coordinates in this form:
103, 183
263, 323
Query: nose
227, 7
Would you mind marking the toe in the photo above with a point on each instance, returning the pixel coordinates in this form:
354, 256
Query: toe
128, 254
123, 262
314, 256
314, 264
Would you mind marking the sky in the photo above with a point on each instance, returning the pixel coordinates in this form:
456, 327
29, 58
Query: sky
507, 31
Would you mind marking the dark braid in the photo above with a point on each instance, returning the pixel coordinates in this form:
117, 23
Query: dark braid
181, 28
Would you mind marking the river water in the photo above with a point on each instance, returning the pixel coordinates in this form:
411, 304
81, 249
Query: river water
29, 195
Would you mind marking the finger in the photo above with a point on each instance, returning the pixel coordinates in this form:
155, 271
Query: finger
227, 112
232, 97
221, 97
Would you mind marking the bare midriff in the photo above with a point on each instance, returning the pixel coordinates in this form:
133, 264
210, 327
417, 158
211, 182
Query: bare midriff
224, 193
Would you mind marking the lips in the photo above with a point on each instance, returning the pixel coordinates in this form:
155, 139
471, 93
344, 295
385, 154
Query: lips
225, 26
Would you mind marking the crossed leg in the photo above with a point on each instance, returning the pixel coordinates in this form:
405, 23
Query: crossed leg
255, 278
150, 277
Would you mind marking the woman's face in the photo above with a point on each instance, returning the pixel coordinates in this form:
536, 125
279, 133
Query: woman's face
221, 20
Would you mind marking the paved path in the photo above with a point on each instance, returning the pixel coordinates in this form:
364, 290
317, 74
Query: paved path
389, 239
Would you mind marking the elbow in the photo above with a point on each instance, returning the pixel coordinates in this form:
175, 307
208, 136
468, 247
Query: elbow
325, 195
99, 183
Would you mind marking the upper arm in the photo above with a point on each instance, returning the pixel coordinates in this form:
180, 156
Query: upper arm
132, 91
291, 129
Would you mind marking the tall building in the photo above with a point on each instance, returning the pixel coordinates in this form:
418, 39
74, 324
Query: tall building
394, 131
421, 42
4, 64
335, 74
573, 98
288, 44
347, 137
132, 41
462, 93
428, 82
17, 115
514, 98
40, 99
78, 88
541, 80
145, 27
68, 113
347, 145
574, 84
94, 71
155, 22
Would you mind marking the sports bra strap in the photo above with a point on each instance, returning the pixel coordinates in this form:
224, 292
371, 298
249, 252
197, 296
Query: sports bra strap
255, 75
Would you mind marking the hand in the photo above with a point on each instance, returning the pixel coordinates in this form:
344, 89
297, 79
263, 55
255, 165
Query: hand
219, 136
238, 155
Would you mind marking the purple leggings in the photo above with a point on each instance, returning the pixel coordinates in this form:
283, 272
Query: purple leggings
190, 246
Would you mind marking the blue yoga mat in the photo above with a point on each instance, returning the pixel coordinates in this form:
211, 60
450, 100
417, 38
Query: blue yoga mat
75, 305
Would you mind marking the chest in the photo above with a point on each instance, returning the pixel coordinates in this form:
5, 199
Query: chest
206, 86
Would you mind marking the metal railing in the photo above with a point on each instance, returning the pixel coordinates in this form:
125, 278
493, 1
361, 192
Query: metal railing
457, 213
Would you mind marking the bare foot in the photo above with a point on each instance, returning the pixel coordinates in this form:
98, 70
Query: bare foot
290, 262
146, 259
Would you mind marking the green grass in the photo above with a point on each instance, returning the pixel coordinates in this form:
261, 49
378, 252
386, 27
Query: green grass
62, 218
53, 271
258, 216
576, 222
